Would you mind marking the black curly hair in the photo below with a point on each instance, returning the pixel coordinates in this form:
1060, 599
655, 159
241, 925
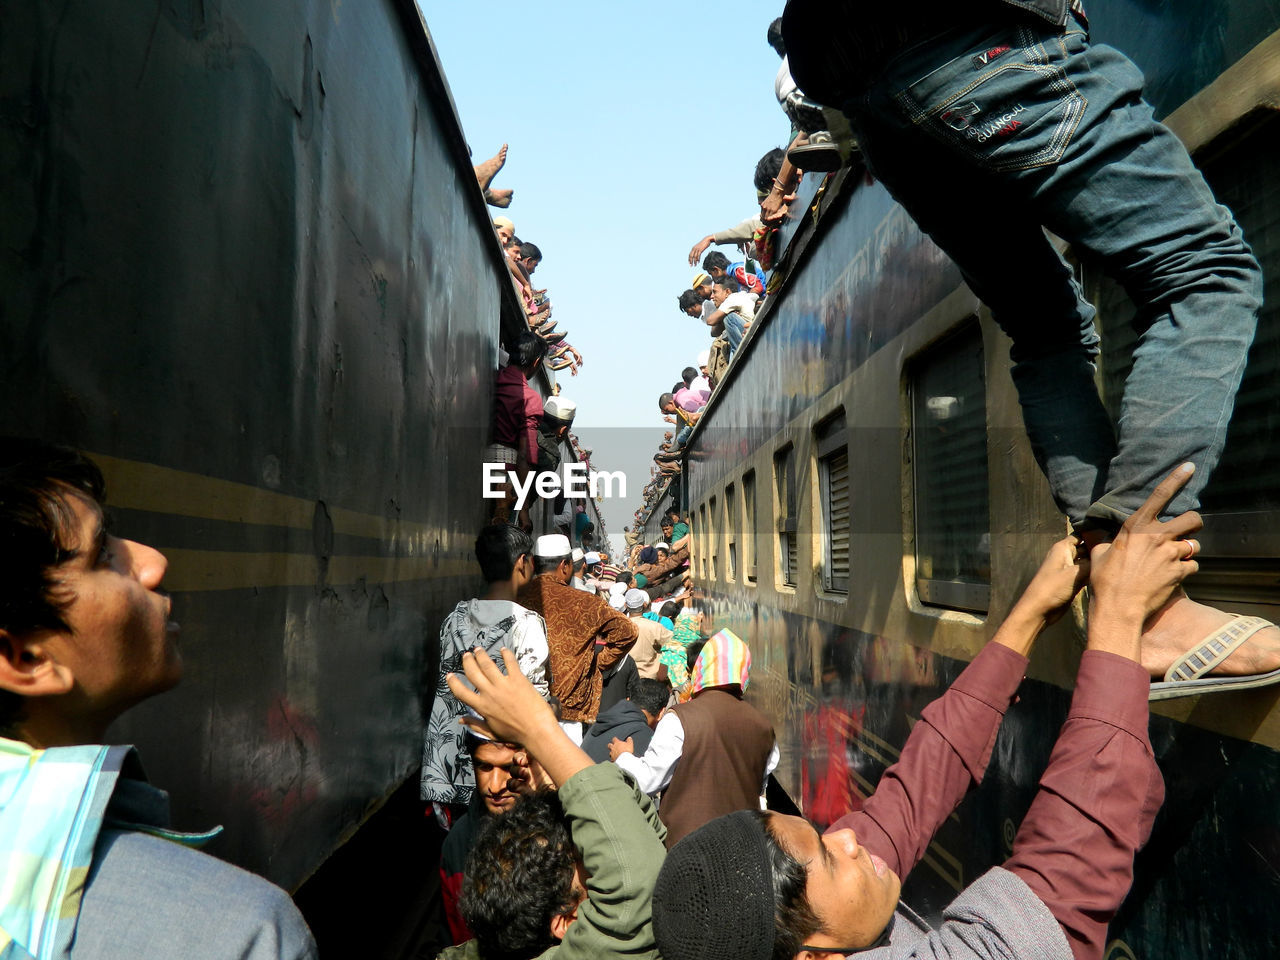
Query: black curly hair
519, 877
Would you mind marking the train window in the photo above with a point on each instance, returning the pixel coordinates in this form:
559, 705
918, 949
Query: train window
833, 478
749, 527
949, 472
713, 531
1244, 492
704, 544
731, 532
784, 485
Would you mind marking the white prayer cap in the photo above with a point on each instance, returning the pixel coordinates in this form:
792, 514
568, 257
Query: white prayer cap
617, 602
592, 558
617, 586
637, 599
577, 554
704, 358
552, 545
560, 408
661, 546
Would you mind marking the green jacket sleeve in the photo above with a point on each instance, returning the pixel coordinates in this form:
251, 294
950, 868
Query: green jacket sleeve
620, 839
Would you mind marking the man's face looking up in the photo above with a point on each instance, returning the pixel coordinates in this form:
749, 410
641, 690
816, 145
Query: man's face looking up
499, 778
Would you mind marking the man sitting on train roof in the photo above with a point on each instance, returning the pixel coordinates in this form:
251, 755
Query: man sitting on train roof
772, 887
688, 397
566, 874
90, 866
962, 87
686, 420
712, 754
747, 274
735, 309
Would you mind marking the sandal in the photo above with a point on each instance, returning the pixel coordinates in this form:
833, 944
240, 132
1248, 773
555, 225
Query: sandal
1186, 678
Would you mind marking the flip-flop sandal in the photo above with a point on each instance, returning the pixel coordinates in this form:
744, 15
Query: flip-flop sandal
1186, 678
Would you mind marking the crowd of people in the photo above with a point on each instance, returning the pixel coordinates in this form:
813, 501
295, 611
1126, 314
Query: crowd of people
636, 682
618, 808
590, 749
528, 433
725, 294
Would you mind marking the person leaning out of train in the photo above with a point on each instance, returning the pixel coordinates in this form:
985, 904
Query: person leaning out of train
567, 873
772, 887
674, 531
712, 754
517, 413
91, 869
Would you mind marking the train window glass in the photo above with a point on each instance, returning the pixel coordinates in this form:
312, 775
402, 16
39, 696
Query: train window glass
832, 445
1244, 490
713, 531
784, 485
949, 467
749, 526
731, 532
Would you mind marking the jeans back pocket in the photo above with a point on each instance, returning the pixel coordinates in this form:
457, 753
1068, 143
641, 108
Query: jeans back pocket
1006, 103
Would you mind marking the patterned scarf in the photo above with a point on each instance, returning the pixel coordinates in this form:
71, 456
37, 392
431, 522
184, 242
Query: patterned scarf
724, 661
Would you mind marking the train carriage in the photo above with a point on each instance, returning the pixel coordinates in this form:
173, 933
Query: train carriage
866, 508
247, 267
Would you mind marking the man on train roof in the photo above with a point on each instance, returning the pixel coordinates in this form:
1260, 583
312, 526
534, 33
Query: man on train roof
91, 867
962, 87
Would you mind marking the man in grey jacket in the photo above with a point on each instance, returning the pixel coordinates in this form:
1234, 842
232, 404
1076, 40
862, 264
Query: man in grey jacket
91, 868
762, 886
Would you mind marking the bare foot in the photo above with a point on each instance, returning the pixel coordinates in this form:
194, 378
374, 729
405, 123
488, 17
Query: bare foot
485, 172
1182, 624
499, 198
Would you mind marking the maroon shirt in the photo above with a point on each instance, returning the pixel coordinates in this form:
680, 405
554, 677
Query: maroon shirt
517, 408
1096, 803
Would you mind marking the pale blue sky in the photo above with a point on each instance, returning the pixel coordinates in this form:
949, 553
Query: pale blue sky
634, 130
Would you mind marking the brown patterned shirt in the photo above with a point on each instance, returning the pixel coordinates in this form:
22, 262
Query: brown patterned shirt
585, 636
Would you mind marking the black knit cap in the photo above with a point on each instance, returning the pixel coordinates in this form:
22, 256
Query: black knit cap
714, 895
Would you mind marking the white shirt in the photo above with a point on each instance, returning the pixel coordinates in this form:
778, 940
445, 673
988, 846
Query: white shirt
783, 85
653, 771
742, 303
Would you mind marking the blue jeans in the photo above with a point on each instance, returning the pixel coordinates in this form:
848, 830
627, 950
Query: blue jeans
986, 136
734, 330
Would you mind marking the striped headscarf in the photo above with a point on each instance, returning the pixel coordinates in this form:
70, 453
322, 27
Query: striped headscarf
724, 661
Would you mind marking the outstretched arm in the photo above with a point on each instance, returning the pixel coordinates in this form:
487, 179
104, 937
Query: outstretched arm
1100, 793
949, 749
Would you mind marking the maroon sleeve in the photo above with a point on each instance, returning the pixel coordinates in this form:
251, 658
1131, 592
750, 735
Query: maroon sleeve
945, 755
451, 893
1096, 803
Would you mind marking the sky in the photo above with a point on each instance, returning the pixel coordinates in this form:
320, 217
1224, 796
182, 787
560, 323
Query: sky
633, 131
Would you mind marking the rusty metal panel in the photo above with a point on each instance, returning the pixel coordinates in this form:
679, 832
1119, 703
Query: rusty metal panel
243, 259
